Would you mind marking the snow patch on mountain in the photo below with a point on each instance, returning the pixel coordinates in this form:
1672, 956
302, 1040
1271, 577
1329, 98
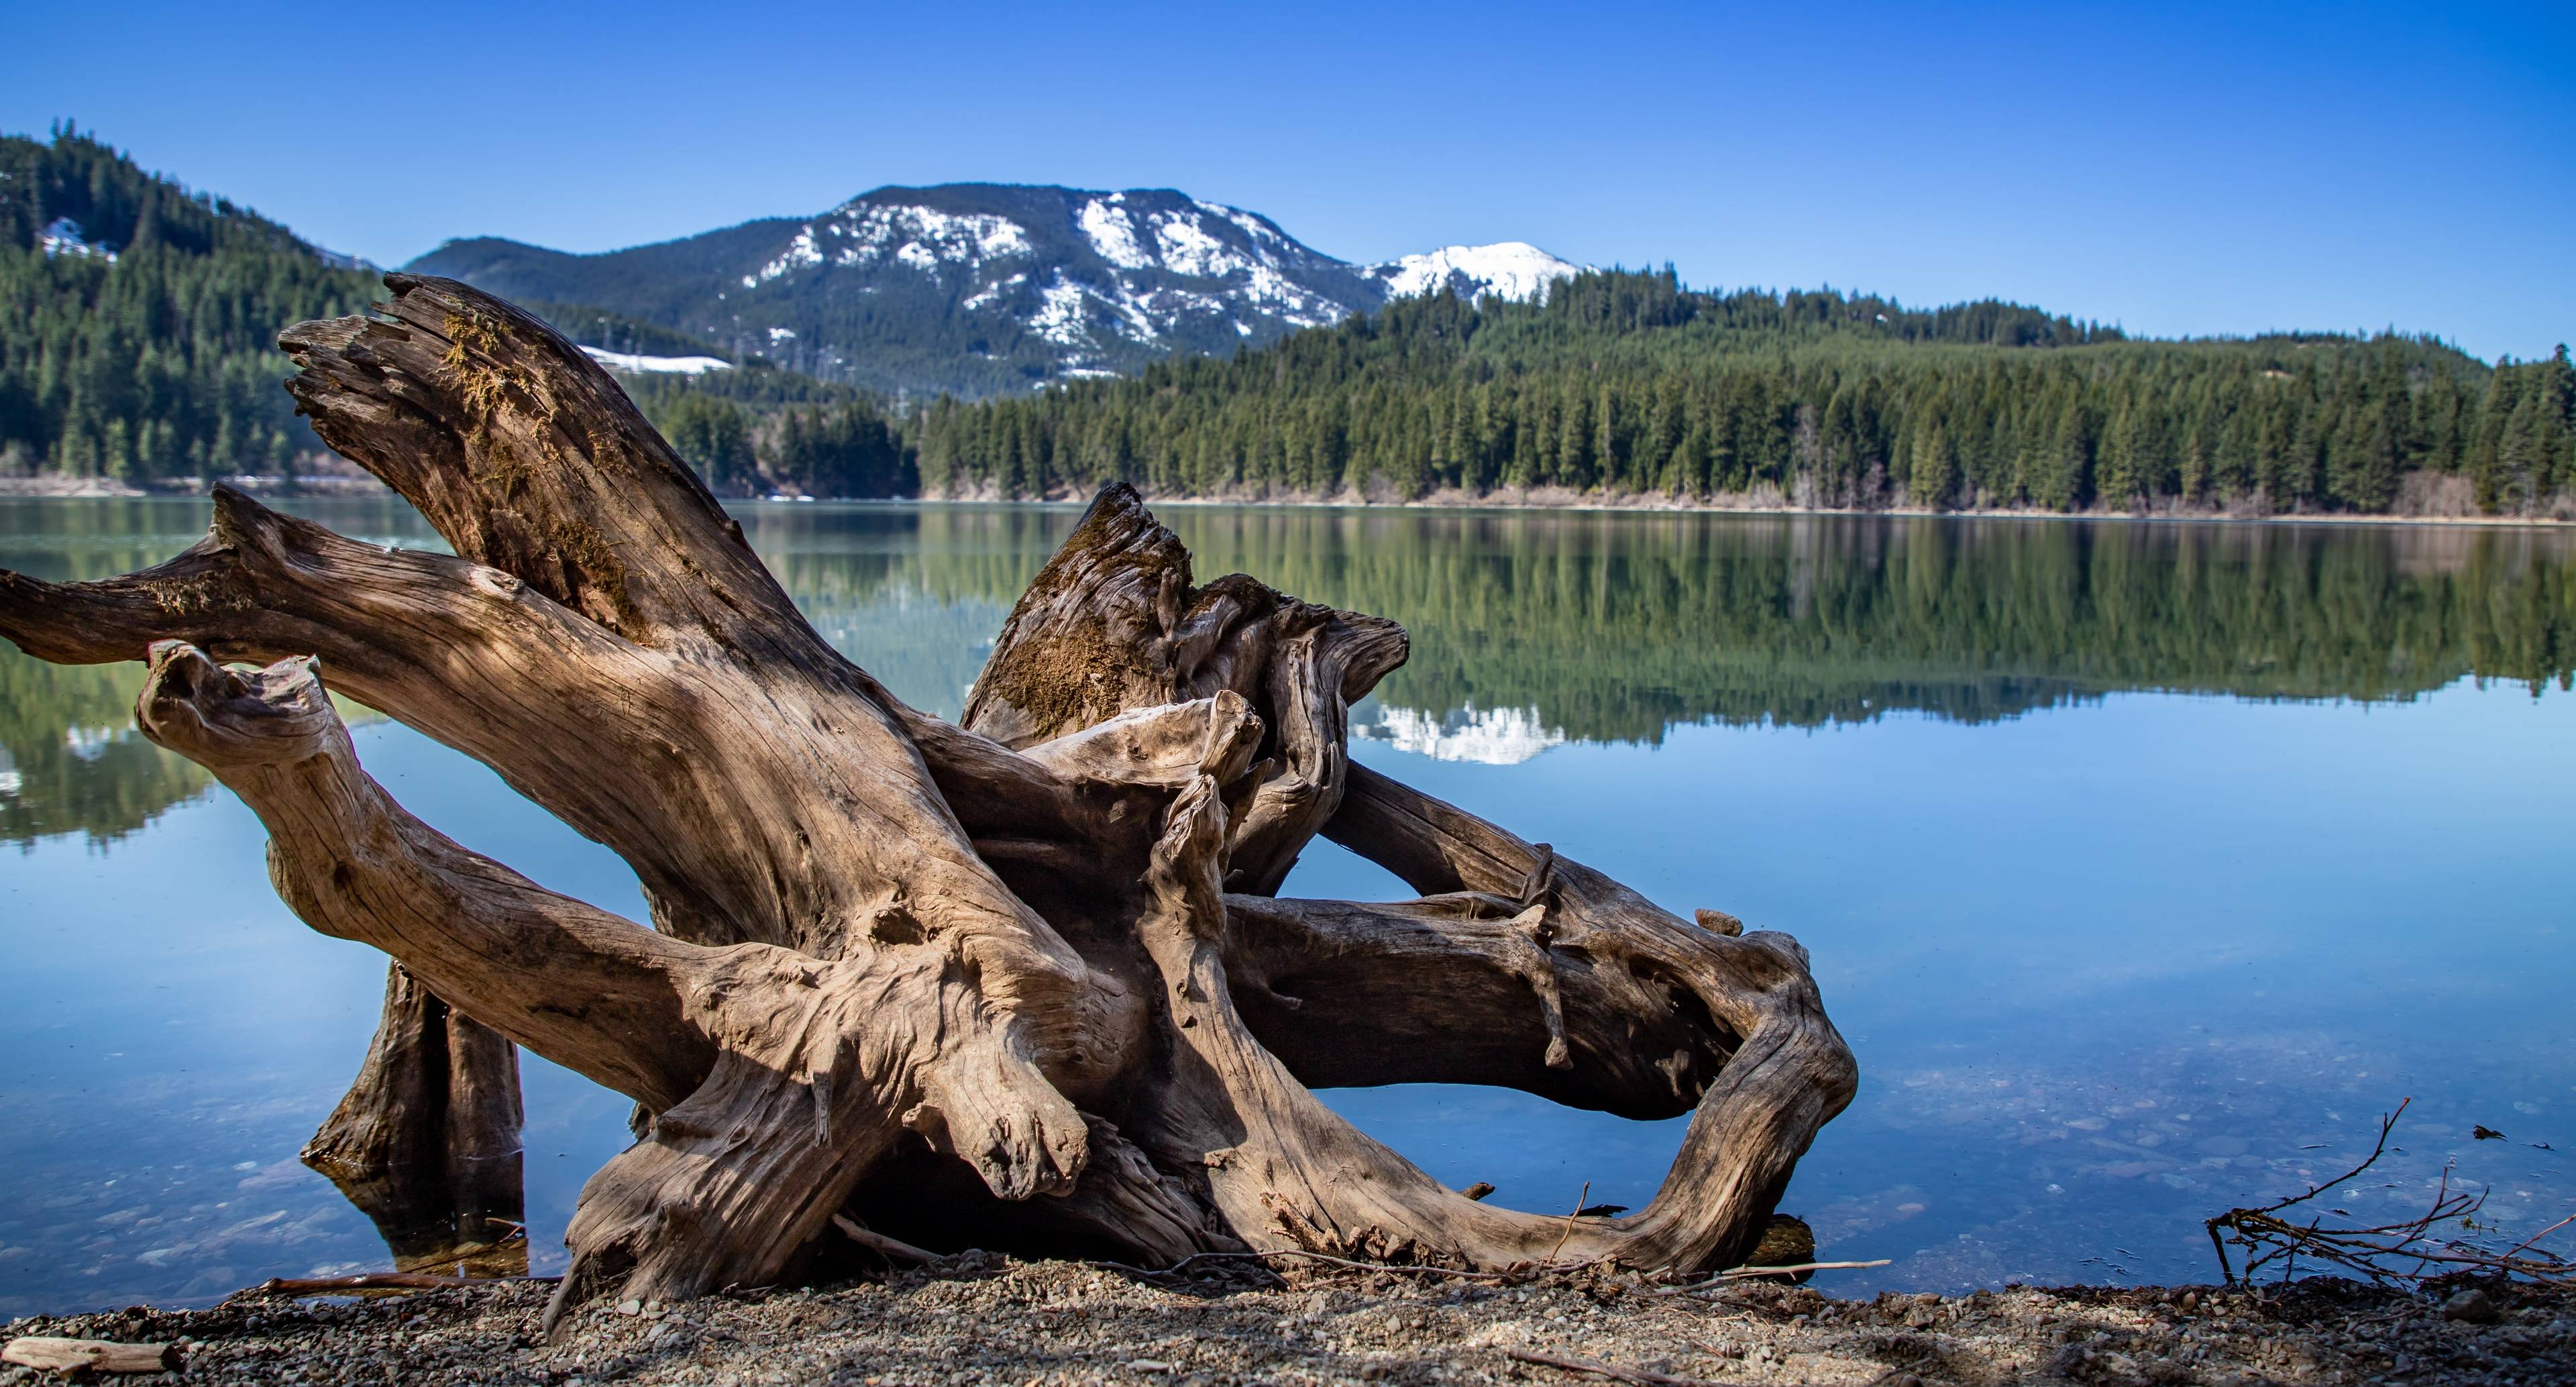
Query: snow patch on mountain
864, 233
62, 236
670, 365
1187, 249
800, 253
992, 293
1060, 317
1113, 232
1278, 296
1513, 270
1136, 309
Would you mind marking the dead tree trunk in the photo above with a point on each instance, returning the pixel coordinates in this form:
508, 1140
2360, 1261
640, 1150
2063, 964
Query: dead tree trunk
1033, 962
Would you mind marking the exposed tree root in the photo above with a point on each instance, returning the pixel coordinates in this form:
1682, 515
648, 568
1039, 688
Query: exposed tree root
1024, 978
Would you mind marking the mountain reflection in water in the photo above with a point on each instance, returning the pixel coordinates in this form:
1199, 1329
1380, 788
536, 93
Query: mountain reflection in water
1530, 629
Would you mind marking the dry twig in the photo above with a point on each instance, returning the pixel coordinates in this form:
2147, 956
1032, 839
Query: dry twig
1734, 1274
384, 1281
1585, 1365
2401, 1253
1579, 1201
892, 1249
1338, 1262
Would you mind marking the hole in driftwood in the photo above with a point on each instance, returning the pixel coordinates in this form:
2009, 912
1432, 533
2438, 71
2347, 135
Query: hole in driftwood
1537, 1154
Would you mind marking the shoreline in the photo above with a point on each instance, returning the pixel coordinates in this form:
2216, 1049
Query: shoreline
110, 489
1653, 507
980, 1319
99, 488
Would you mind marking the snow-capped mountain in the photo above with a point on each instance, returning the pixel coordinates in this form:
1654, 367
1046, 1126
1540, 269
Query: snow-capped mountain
983, 288
1505, 269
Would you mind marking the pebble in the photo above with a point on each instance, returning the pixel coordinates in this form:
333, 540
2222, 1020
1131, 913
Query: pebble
2471, 1306
1010, 1324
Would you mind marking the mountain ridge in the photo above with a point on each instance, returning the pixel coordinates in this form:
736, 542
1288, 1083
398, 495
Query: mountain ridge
979, 289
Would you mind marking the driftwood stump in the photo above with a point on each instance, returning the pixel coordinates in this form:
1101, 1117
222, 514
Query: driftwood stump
426, 1143
1020, 981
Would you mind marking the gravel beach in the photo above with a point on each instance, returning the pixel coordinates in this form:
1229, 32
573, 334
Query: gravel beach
978, 1319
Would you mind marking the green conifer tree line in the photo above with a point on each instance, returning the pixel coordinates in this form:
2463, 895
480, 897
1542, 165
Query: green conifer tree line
1627, 383
150, 351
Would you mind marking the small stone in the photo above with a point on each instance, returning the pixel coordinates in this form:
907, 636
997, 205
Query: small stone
2471, 1306
630, 1308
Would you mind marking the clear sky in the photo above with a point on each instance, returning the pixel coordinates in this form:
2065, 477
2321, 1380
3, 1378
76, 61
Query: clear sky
2173, 168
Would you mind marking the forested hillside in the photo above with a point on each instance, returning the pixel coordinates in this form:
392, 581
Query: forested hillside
1626, 384
138, 328
816, 442
138, 321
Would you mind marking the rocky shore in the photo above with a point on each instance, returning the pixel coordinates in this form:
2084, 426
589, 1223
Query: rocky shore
977, 1319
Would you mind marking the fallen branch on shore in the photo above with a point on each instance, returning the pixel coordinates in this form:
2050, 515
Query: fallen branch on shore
1735, 1274
892, 1249
385, 1281
1585, 1365
2404, 1253
1349, 1263
91, 1355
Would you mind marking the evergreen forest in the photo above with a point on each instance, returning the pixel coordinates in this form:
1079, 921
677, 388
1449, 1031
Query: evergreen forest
138, 328
146, 348
1627, 384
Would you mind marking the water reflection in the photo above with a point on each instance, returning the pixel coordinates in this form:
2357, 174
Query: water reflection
2114, 953
1532, 630
70, 759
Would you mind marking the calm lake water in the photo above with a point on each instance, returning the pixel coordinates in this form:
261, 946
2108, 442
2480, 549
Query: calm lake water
2143, 866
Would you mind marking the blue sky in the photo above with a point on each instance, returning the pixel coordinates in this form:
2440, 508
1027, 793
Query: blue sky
2172, 168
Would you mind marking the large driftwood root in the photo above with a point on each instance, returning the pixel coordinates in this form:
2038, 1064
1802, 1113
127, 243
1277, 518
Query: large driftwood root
1023, 981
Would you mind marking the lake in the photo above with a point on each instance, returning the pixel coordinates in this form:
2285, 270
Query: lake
2143, 865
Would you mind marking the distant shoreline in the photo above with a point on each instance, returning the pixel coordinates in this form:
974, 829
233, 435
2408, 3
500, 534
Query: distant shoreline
1552, 501
1665, 506
1546, 502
